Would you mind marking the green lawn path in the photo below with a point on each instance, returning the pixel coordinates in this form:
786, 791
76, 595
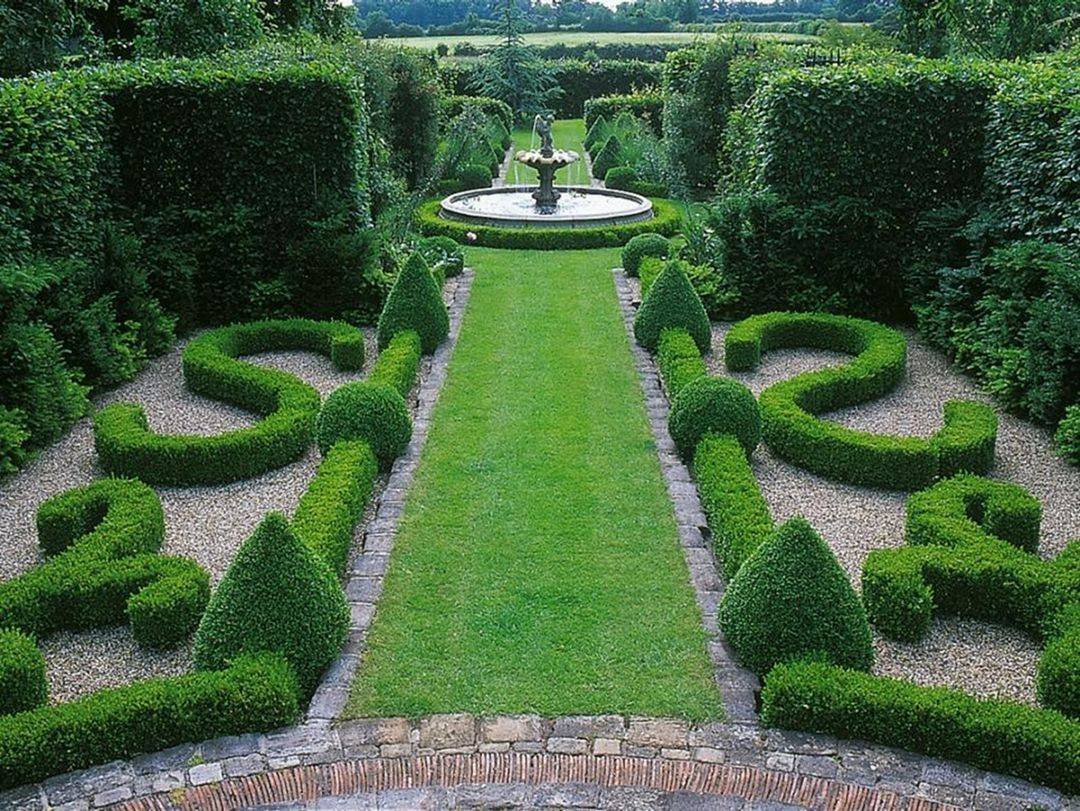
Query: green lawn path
537, 567
566, 133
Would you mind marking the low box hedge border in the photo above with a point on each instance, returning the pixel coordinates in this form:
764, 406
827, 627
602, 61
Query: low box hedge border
679, 360
398, 364
1034, 744
126, 445
667, 220
790, 409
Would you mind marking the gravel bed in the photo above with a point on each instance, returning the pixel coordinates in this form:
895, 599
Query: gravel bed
206, 524
973, 656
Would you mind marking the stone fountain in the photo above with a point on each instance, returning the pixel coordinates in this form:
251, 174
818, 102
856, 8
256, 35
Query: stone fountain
545, 206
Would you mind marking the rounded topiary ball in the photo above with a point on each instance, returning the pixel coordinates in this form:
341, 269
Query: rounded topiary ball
717, 405
372, 412
641, 246
23, 685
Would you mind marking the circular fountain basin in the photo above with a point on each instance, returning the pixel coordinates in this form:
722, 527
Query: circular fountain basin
578, 207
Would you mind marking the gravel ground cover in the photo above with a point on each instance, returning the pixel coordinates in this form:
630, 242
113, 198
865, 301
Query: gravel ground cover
206, 524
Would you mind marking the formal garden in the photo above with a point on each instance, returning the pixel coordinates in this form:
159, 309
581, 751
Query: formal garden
537, 430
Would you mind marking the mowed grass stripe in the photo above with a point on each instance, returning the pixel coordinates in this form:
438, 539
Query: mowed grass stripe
537, 567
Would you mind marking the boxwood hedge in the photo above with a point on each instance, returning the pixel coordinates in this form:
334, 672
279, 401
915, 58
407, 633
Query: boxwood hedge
641, 247
679, 360
398, 364
415, 303
672, 302
714, 405
790, 409
23, 684
127, 446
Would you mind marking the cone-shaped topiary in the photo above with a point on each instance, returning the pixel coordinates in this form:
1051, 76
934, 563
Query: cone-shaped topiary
610, 156
415, 302
672, 302
276, 596
369, 411
596, 133
23, 685
716, 405
791, 600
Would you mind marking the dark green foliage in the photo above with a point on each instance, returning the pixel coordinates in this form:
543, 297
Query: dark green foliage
641, 246
277, 596
648, 107
620, 177
372, 412
255, 694
789, 409
334, 502
23, 684
597, 132
328, 275
714, 405
789, 600
672, 302
1038, 745
453, 106
609, 157
1058, 678
738, 515
666, 220
679, 360
415, 303
398, 364
475, 176
212, 368
13, 436
445, 252
1067, 438
103, 569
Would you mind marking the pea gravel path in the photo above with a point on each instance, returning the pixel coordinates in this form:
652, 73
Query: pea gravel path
977, 657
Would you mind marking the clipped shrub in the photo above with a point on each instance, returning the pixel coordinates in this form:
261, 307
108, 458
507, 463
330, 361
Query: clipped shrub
1039, 745
23, 684
256, 694
609, 157
738, 515
475, 176
398, 364
790, 408
621, 177
443, 251
789, 600
415, 303
277, 596
1057, 681
672, 302
1067, 437
371, 412
679, 360
642, 246
288, 407
714, 405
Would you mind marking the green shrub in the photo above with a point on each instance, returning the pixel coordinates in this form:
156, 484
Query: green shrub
642, 246
735, 509
714, 405
1067, 438
598, 132
475, 176
372, 412
453, 106
789, 409
328, 276
649, 271
648, 107
443, 251
23, 684
672, 302
666, 220
13, 436
609, 157
1001, 736
277, 596
679, 360
257, 694
415, 303
790, 599
1057, 681
126, 446
398, 364
102, 569
620, 177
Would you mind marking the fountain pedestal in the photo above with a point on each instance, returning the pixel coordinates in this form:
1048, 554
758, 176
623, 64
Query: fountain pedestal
546, 162
546, 197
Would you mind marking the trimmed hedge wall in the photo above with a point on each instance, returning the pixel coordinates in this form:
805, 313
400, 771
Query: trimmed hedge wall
256, 694
666, 221
649, 107
1034, 744
126, 445
790, 409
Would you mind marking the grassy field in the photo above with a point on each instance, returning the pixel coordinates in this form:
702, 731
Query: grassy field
582, 37
537, 567
567, 134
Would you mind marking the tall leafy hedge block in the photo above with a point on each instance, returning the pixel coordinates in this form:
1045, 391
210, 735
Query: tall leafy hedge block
276, 596
415, 302
791, 600
672, 302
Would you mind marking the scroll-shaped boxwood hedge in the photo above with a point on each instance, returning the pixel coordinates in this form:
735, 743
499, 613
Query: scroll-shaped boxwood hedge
103, 569
666, 221
1035, 744
256, 694
127, 446
790, 409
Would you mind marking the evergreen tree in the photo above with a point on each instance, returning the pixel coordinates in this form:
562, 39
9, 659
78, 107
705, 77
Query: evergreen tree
513, 72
